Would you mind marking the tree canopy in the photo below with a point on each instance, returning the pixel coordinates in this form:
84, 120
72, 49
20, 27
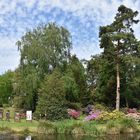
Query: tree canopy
42, 50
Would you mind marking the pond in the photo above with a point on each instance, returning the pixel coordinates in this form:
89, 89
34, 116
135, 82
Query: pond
69, 137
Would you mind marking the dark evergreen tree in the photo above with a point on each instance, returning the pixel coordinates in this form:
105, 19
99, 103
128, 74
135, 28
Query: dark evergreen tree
75, 81
119, 42
52, 101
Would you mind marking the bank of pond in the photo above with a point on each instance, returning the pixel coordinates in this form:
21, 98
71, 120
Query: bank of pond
72, 127
69, 137
97, 123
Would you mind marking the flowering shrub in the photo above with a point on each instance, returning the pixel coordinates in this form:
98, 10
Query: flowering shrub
134, 116
129, 110
73, 113
88, 109
105, 116
92, 116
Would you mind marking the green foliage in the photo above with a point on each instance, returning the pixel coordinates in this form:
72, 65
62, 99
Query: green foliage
120, 50
101, 80
42, 50
91, 128
75, 81
112, 127
76, 128
111, 124
47, 128
100, 107
123, 125
49, 80
5, 129
76, 106
25, 88
6, 88
71, 88
26, 131
52, 100
128, 123
114, 115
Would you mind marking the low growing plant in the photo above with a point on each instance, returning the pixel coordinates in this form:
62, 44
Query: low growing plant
47, 127
91, 128
128, 125
112, 127
76, 128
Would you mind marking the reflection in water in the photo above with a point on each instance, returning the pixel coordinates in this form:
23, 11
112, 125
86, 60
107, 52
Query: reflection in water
28, 138
69, 137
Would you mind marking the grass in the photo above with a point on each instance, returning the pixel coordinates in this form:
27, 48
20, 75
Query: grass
81, 127
20, 126
68, 126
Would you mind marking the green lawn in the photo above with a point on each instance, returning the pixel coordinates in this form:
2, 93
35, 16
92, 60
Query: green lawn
19, 126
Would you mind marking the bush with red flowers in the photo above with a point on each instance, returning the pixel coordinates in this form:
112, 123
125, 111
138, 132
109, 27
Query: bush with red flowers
73, 113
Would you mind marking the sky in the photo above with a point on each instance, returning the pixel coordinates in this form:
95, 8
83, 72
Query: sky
81, 17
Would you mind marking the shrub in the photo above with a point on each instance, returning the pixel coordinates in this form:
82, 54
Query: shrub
76, 106
100, 107
73, 113
92, 116
129, 110
88, 109
124, 110
114, 115
134, 116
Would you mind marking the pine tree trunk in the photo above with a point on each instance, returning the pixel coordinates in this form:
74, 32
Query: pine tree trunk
118, 81
118, 89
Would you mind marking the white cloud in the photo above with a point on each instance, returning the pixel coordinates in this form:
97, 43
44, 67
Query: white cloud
82, 18
9, 55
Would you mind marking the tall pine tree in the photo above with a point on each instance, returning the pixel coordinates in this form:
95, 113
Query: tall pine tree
118, 41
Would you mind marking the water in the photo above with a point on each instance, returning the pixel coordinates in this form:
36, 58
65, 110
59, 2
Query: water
69, 137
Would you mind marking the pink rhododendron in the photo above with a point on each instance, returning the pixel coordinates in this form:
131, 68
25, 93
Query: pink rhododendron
73, 113
92, 116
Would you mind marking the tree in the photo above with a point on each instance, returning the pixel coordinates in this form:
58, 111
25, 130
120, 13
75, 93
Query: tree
52, 100
93, 68
101, 80
6, 89
118, 41
42, 50
131, 85
75, 81
25, 86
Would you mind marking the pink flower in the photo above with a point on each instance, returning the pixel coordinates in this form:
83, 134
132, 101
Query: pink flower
73, 113
92, 116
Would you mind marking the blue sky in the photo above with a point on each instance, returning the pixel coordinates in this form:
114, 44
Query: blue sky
81, 17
